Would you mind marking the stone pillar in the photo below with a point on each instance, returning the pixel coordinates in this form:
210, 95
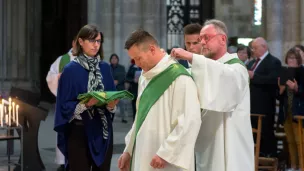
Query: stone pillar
302, 21
291, 19
2, 62
117, 19
274, 27
100, 13
20, 44
129, 18
155, 20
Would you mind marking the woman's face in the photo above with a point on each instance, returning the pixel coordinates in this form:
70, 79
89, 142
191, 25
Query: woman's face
243, 55
114, 60
90, 47
292, 61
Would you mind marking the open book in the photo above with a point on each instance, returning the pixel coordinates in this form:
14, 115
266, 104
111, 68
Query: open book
105, 97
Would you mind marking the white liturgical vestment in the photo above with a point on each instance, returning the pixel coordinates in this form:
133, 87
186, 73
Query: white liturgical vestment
171, 126
225, 141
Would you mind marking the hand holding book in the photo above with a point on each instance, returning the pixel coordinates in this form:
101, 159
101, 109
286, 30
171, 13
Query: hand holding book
104, 97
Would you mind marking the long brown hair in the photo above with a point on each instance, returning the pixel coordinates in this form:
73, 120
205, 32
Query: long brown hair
85, 33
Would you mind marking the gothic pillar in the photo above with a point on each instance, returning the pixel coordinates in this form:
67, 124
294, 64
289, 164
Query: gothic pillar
19, 44
155, 20
117, 19
100, 13
291, 26
302, 21
129, 18
274, 27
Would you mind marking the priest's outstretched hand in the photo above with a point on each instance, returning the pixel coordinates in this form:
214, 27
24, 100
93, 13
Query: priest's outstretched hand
158, 163
124, 162
180, 53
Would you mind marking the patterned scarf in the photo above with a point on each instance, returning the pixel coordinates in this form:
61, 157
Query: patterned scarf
92, 65
94, 84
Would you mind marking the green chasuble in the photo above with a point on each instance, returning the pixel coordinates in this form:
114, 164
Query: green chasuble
105, 97
235, 61
154, 90
65, 59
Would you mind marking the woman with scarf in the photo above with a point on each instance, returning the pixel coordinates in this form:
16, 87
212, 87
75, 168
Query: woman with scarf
85, 133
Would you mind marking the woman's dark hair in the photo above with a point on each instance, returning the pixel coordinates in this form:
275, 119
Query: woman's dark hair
294, 52
242, 47
300, 47
114, 55
88, 32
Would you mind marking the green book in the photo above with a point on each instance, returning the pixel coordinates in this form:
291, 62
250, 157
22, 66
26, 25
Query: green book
104, 97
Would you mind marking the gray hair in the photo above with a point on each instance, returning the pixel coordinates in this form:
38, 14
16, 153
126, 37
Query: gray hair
219, 26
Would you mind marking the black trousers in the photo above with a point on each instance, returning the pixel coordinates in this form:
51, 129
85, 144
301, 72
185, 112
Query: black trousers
134, 107
79, 157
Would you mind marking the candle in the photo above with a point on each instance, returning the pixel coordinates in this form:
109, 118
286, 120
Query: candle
2, 112
9, 115
1, 115
6, 119
9, 111
14, 119
17, 117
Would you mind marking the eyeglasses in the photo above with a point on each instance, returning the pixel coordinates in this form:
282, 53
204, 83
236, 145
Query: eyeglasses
291, 57
207, 38
94, 41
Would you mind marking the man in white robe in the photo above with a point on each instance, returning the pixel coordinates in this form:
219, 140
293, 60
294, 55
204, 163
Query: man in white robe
225, 141
52, 81
166, 138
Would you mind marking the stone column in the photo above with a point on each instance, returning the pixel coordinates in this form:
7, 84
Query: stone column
20, 44
117, 19
2, 63
274, 27
155, 20
291, 20
100, 13
129, 18
302, 21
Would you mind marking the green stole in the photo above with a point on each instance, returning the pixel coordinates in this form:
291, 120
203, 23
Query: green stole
154, 90
235, 61
65, 59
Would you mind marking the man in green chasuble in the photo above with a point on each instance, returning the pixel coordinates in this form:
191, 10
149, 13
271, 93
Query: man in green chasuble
168, 114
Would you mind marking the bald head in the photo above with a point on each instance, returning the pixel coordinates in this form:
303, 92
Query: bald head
259, 47
261, 41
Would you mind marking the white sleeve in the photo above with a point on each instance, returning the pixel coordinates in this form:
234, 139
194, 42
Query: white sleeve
178, 148
129, 140
220, 86
52, 76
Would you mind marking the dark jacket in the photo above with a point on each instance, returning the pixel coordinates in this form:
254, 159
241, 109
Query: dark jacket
264, 85
130, 79
119, 74
297, 101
